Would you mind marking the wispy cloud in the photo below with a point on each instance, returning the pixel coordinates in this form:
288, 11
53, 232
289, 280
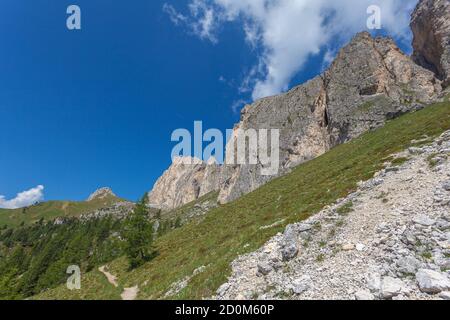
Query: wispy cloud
201, 19
288, 32
23, 199
328, 58
176, 17
237, 105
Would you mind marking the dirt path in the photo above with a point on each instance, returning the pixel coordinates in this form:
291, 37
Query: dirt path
128, 293
111, 278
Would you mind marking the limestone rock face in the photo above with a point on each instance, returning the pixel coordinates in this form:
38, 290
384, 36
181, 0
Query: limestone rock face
369, 82
186, 180
431, 27
101, 194
299, 115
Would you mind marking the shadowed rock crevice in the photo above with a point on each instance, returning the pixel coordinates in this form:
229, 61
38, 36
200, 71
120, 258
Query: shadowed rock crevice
430, 24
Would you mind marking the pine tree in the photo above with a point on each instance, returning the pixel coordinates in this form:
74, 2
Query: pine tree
138, 235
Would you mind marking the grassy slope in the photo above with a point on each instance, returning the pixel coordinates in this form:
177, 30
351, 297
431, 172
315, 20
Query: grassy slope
95, 284
53, 209
184, 211
234, 229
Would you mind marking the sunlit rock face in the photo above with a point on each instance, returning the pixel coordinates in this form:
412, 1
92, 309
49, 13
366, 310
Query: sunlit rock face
369, 82
186, 180
101, 193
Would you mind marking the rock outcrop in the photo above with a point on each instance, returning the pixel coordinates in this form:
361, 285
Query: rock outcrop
369, 82
186, 180
431, 27
101, 193
119, 210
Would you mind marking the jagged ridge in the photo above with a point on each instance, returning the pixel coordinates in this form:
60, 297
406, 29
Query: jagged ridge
370, 81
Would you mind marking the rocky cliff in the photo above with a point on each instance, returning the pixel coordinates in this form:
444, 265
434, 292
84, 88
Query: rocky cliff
369, 82
431, 27
101, 193
186, 180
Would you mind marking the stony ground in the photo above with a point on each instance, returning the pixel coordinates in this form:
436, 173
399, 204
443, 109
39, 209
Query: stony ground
388, 240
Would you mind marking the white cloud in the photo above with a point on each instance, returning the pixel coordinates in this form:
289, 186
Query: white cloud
237, 105
201, 20
288, 32
23, 199
328, 58
204, 17
176, 17
250, 78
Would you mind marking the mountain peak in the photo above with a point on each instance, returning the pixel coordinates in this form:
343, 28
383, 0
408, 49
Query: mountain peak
187, 179
101, 194
369, 82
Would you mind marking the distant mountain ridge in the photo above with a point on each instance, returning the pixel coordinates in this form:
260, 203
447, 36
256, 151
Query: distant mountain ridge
101, 193
103, 198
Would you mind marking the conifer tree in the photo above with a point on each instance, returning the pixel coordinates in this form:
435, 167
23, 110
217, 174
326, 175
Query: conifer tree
138, 235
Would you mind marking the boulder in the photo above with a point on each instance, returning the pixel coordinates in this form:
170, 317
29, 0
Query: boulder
264, 268
301, 285
431, 281
289, 246
364, 295
348, 247
391, 287
446, 186
445, 295
373, 281
424, 220
408, 265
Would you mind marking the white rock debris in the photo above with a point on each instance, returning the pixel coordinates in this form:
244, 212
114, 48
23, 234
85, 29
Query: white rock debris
176, 287
393, 244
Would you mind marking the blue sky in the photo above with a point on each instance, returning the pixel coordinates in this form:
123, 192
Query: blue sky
96, 107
